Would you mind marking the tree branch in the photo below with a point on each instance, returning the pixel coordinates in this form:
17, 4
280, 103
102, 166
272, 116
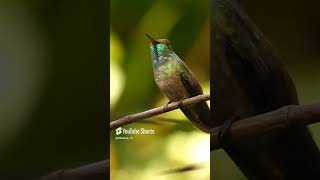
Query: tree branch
269, 123
156, 111
98, 171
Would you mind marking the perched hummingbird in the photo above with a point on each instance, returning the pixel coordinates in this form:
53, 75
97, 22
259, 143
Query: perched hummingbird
249, 79
177, 82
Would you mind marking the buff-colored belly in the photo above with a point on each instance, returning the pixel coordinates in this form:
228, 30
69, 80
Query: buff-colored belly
173, 88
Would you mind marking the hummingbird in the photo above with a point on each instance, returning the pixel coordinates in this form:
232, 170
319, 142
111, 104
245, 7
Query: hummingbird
248, 78
177, 82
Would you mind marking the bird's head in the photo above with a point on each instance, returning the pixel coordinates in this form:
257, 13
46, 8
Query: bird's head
160, 49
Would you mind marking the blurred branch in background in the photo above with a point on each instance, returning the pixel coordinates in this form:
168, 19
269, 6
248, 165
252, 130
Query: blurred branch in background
187, 168
268, 124
156, 111
98, 170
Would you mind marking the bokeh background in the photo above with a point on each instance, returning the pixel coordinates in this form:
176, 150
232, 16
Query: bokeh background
293, 29
53, 85
186, 24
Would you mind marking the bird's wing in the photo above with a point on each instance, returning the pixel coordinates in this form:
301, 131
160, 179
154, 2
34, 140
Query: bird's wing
190, 82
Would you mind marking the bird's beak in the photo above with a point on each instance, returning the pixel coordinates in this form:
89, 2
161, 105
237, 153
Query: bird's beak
151, 39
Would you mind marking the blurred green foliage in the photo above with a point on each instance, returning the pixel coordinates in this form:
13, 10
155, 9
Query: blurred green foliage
187, 25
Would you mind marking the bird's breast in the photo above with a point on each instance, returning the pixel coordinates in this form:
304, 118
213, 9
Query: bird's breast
171, 86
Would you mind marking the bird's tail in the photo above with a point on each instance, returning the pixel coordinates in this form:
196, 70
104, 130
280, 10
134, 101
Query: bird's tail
199, 115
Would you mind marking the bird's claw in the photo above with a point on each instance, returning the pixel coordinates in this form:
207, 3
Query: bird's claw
165, 107
180, 102
224, 134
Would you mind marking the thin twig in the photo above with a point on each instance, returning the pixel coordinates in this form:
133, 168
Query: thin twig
156, 111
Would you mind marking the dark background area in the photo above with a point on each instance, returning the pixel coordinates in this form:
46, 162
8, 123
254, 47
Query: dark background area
53, 85
292, 27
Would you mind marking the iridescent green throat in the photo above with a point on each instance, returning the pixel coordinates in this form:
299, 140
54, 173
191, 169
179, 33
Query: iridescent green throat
159, 52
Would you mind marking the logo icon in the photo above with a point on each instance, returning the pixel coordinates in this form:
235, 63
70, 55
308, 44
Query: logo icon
118, 130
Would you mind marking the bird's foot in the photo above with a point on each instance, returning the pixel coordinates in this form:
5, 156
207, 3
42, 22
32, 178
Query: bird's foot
224, 134
165, 107
180, 102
